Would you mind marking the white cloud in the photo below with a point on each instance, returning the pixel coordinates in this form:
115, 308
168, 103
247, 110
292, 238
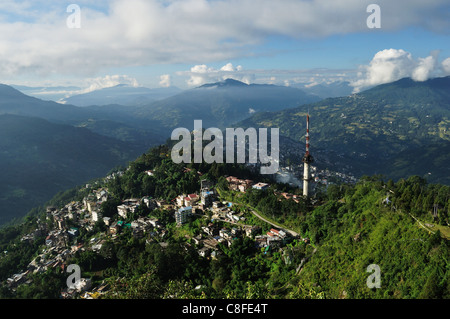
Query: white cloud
34, 37
201, 74
98, 83
424, 68
107, 81
391, 64
312, 84
446, 66
165, 80
228, 67
203, 69
82, 86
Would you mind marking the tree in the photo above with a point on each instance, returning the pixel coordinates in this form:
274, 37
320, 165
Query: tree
432, 288
109, 208
222, 183
47, 285
333, 192
148, 185
146, 286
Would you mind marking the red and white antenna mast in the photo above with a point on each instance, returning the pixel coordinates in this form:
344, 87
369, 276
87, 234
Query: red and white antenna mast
307, 135
307, 159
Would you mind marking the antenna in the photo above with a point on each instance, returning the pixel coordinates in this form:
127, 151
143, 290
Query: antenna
307, 159
307, 134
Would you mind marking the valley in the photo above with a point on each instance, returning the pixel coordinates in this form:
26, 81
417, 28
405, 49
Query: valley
221, 158
397, 129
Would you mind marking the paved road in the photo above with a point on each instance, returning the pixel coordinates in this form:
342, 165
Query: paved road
422, 225
291, 232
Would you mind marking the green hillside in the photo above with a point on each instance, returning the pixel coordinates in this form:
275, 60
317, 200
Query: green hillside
39, 159
401, 237
347, 229
396, 129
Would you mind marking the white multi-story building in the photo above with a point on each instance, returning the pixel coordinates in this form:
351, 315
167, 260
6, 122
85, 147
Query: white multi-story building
96, 216
182, 214
122, 210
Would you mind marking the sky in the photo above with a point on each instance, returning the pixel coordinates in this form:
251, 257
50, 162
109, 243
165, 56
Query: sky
187, 43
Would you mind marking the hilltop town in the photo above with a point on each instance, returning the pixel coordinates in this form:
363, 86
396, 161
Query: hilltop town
163, 230
62, 227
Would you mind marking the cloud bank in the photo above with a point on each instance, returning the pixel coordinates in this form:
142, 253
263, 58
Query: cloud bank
97, 83
165, 81
202, 74
393, 64
109, 81
35, 39
446, 66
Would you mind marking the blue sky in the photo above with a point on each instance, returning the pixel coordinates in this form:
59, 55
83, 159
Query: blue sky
190, 42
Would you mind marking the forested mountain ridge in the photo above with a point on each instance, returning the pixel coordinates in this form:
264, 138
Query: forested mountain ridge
222, 104
121, 94
134, 128
114, 120
349, 227
377, 130
39, 158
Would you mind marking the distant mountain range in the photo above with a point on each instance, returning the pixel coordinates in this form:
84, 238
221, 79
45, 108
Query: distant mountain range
396, 129
218, 105
122, 94
47, 93
112, 120
326, 90
221, 104
46, 147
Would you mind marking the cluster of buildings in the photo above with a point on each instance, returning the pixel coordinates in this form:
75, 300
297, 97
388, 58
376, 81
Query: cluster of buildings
63, 226
222, 212
327, 177
61, 231
212, 234
186, 205
273, 238
207, 200
296, 198
243, 185
59, 246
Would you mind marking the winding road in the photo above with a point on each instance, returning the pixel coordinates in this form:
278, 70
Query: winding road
291, 232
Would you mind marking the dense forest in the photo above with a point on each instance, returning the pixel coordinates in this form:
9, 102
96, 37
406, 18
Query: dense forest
400, 226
